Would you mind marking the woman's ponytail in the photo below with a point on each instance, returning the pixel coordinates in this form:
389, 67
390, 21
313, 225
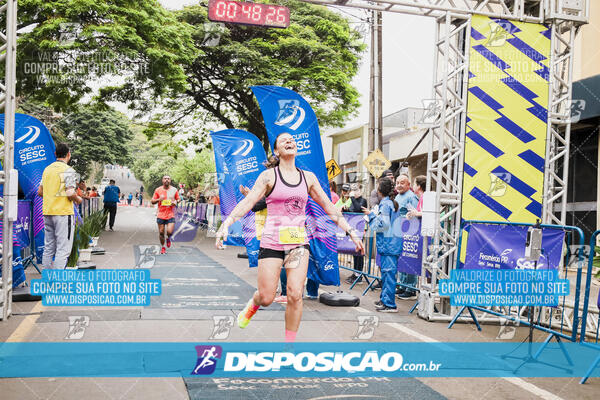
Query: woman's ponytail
272, 162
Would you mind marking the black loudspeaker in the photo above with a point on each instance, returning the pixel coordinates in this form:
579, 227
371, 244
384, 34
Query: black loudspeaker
339, 299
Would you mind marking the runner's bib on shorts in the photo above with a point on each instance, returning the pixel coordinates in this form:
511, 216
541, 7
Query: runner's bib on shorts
292, 235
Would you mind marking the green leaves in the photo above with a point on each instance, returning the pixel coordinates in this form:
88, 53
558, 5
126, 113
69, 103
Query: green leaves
317, 56
96, 136
138, 53
93, 40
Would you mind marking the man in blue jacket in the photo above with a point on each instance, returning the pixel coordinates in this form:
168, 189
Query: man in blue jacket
407, 200
111, 198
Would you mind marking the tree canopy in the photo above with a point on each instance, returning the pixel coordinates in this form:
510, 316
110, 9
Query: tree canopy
160, 61
96, 136
78, 43
316, 56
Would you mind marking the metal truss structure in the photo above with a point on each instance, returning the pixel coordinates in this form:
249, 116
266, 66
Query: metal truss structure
445, 161
445, 157
447, 135
8, 200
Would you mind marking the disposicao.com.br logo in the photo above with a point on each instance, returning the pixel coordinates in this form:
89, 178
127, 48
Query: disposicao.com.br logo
315, 362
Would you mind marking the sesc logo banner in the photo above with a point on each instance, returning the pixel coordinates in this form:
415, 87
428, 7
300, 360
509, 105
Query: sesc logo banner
291, 114
34, 151
491, 246
239, 158
285, 111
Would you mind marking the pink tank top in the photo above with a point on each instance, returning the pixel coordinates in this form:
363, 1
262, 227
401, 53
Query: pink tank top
286, 215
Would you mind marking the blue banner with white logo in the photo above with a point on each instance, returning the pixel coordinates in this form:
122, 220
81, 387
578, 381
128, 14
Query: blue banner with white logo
491, 246
241, 367
21, 231
34, 151
240, 158
285, 111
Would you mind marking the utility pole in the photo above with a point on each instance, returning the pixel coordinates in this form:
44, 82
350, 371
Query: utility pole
375, 139
379, 80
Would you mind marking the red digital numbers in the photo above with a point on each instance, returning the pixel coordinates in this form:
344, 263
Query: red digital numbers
237, 12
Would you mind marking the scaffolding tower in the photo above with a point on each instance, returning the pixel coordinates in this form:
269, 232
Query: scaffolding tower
8, 176
447, 135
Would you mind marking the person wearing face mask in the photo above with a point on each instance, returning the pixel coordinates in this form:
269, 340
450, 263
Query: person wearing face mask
407, 201
344, 202
284, 241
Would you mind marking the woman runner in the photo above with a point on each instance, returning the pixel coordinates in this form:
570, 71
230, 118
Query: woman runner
284, 241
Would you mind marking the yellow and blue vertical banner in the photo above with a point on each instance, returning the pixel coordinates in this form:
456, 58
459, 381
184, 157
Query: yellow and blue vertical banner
507, 117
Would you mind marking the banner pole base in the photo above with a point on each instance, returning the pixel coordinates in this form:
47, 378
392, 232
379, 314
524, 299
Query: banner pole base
560, 343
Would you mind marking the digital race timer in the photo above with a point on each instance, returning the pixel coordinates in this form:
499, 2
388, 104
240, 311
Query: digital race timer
238, 12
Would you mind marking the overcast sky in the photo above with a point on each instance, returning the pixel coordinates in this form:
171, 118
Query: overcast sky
407, 60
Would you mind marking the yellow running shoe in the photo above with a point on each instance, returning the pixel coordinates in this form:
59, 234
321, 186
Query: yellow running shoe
247, 313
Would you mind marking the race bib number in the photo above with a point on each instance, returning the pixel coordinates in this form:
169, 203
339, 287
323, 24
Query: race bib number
167, 202
292, 235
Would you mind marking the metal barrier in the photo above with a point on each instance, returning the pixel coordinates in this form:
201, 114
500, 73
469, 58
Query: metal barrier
593, 323
197, 212
372, 275
346, 259
89, 206
545, 325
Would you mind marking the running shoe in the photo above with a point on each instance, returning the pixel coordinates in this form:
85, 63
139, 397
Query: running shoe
163, 250
407, 296
280, 299
246, 315
386, 309
169, 242
378, 303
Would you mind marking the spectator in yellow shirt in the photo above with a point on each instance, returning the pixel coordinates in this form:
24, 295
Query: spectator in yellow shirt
58, 191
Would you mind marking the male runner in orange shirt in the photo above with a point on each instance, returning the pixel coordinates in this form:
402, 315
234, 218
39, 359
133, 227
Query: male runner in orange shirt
167, 197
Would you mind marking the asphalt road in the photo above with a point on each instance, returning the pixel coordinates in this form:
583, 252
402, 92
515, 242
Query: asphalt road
201, 286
